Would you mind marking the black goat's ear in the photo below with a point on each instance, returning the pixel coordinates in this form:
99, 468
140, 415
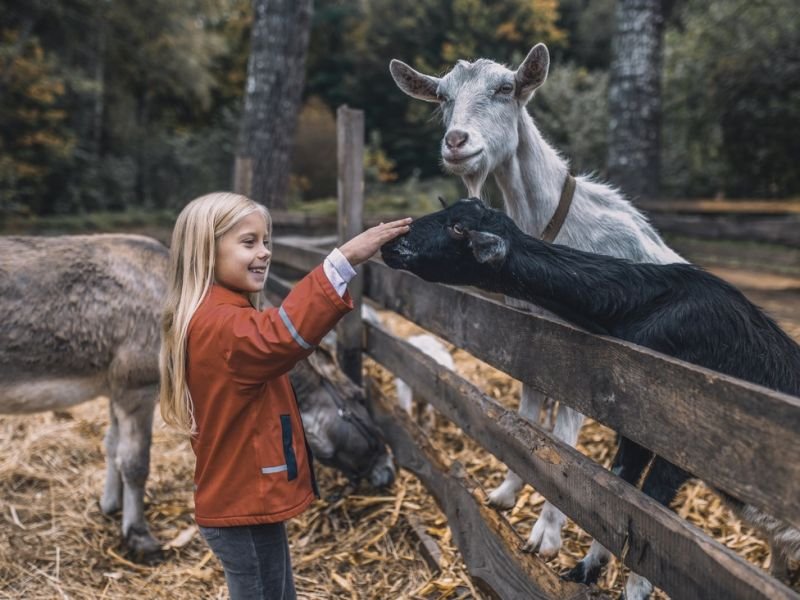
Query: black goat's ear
488, 248
443, 202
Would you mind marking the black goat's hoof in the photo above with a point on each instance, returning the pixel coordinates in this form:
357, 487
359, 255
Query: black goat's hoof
580, 574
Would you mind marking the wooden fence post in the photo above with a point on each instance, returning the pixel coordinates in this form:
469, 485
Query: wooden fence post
350, 155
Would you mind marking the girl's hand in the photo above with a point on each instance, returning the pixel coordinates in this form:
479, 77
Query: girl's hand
364, 245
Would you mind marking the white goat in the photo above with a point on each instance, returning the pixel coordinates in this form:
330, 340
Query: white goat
428, 344
489, 130
438, 352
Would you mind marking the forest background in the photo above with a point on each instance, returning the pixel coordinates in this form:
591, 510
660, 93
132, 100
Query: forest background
120, 107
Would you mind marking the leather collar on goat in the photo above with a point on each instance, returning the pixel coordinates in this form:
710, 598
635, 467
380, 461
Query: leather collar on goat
554, 226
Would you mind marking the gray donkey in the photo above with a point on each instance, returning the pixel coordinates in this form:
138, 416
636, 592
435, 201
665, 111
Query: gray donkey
80, 316
488, 130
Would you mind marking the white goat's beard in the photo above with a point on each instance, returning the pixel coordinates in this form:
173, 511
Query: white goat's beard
473, 176
474, 182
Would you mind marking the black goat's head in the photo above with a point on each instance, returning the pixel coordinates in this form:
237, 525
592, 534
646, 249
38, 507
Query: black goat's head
466, 243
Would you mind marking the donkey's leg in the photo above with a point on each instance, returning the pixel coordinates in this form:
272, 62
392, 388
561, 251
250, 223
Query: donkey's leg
661, 484
546, 534
783, 539
134, 412
111, 500
779, 563
505, 495
629, 463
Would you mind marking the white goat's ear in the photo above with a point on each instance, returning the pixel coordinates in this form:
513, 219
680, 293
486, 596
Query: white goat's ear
532, 71
488, 248
414, 83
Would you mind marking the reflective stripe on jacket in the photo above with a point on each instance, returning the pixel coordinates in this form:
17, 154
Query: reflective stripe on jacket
253, 463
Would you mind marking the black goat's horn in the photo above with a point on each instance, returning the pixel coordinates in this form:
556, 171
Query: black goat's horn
443, 201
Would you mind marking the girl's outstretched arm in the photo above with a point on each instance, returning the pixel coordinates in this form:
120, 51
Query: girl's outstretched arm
361, 248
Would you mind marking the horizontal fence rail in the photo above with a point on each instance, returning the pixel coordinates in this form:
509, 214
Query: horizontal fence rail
490, 547
737, 436
649, 538
746, 226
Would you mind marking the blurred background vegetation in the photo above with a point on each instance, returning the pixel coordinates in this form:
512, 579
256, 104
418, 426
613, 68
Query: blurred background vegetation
111, 107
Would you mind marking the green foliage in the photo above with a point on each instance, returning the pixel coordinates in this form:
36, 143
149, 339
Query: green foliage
732, 99
34, 138
411, 197
351, 64
314, 164
571, 110
590, 26
113, 106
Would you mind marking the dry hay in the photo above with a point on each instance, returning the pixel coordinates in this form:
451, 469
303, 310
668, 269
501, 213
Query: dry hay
55, 543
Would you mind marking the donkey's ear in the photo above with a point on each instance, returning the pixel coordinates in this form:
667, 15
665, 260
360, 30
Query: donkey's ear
443, 202
414, 83
488, 248
532, 72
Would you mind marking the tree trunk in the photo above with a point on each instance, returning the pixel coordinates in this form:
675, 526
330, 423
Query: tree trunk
275, 77
634, 97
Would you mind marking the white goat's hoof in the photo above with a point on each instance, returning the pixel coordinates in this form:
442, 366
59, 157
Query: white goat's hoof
637, 588
502, 497
546, 538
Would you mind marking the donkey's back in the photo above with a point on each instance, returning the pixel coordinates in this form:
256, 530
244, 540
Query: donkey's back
78, 315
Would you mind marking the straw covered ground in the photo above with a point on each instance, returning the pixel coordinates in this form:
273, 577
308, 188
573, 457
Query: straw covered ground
55, 543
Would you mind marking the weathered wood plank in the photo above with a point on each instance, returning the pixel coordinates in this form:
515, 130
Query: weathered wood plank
429, 549
752, 206
747, 226
297, 256
735, 435
756, 257
350, 155
775, 230
652, 540
749, 431
488, 544
277, 288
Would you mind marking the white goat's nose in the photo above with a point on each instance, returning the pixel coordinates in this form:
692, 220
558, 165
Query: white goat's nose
456, 138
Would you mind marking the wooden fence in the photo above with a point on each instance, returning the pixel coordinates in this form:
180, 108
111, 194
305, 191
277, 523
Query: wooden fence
738, 437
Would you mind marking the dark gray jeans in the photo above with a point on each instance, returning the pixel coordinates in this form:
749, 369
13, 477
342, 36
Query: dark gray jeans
255, 559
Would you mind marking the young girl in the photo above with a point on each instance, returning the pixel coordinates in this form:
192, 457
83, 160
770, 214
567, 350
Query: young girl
224, 366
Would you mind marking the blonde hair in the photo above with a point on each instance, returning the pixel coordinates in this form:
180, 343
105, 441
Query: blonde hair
191, 273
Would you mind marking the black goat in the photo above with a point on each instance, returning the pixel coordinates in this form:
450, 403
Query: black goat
677, 309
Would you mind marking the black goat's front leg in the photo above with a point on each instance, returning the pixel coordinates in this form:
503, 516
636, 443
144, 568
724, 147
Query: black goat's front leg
661, 484
629, 463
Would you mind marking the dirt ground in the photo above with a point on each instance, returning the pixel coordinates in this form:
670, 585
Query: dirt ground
55, 543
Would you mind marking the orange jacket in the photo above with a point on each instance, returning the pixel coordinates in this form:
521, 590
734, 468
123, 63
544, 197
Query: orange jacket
253, 463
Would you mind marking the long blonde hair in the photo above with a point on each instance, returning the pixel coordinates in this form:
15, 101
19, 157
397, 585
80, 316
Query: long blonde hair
191, 273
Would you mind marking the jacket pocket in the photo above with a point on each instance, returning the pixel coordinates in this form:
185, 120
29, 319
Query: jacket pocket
288, 450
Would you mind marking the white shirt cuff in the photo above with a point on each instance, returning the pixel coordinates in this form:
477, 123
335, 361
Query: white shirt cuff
338, 270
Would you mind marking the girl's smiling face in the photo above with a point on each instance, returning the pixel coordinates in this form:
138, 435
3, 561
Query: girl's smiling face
243, 255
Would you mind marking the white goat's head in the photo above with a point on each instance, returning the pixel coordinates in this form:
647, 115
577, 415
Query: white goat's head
481, 104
